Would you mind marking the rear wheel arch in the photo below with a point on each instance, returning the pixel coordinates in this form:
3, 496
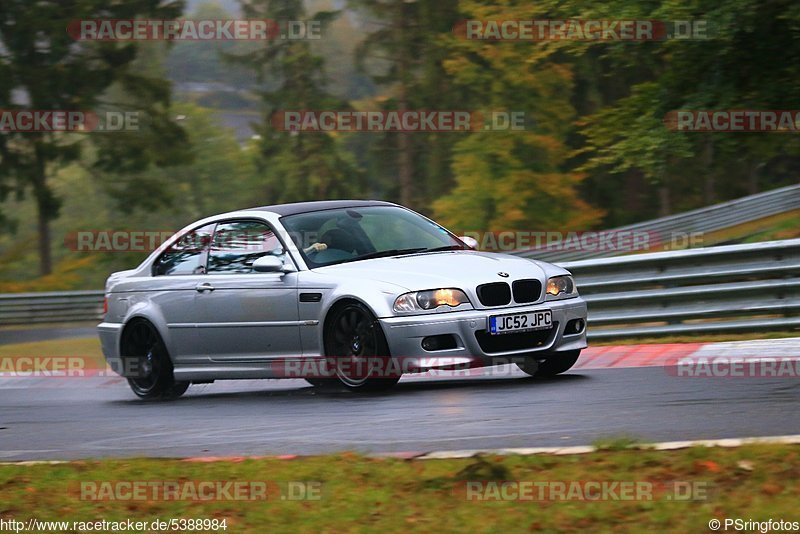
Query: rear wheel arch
132, 321
146, 353
151, 316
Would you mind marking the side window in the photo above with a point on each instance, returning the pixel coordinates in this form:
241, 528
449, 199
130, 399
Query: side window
237, 244
187, 255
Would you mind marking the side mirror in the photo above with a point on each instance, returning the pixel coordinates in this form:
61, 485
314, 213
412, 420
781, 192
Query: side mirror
268, 264
471, 242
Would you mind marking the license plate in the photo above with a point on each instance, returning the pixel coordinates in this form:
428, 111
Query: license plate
520, 322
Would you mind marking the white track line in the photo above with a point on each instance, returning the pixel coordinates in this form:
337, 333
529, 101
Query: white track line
793, 439
661, 446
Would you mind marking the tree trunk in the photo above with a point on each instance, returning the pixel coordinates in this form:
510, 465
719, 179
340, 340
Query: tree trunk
44, 207
406, 156
43, 223
406, 167
664, 203
632, 192
752, 178
709, 185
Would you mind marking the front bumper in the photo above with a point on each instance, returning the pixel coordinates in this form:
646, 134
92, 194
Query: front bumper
405, 334
110, 334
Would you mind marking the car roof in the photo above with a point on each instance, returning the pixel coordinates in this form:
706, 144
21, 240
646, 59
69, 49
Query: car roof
318, 205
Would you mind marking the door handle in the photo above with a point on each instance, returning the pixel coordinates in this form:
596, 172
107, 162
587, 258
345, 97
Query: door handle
205, 286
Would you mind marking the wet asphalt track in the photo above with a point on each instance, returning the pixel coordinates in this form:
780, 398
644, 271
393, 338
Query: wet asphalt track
28, 335
100, 417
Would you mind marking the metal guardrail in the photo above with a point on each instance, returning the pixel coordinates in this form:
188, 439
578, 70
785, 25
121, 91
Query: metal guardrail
50, 307
735, 288
703, 220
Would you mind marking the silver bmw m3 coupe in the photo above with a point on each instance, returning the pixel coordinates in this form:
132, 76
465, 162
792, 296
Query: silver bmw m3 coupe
336, 292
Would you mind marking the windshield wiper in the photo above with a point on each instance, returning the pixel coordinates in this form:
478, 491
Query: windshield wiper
444, 248
391, 252
400, 251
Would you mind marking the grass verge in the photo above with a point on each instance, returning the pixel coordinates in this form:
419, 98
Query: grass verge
360, 494
85, 351
775, 227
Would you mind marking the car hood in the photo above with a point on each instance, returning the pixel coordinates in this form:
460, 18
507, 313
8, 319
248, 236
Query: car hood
460, 269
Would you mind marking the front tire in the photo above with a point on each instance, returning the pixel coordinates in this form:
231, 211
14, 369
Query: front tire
555, 365
148, 365
356, 350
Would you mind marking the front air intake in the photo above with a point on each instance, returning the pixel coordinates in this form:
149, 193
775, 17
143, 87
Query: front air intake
495, 294
526, 291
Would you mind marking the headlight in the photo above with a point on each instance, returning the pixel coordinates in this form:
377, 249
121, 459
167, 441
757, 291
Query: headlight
428, 300
561, 285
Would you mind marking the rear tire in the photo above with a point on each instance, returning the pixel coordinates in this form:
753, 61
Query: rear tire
356, 350
148, 365
553, 366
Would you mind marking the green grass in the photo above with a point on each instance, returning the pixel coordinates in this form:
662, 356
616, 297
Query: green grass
87, 349
360, 494
617, 443
38, 326
782, 227
775, 227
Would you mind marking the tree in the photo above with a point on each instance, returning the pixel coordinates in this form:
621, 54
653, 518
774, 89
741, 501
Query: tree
220, 176
43, 68
295, 165
190, 61
632, 135
403, 54
748, 61
514, 180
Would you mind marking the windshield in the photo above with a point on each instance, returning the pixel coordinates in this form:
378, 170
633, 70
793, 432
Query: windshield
350, 234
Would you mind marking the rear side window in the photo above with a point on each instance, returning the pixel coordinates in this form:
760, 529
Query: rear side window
187, 255
237, 244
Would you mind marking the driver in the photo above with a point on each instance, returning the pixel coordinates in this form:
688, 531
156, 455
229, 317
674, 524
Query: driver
316, 247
